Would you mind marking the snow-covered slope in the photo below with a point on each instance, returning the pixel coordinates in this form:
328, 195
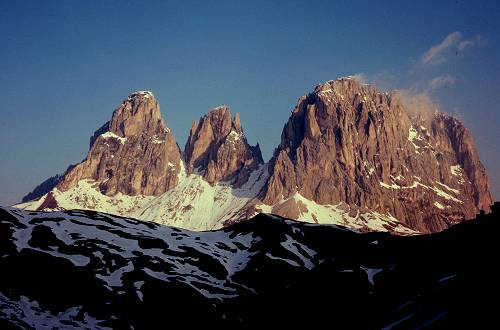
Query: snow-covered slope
196, 205
341, 214
192, 204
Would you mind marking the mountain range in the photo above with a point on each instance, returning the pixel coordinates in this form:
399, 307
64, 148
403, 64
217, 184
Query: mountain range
350, 155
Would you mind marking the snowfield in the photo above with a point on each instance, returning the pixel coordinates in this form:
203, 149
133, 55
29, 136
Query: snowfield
196, 205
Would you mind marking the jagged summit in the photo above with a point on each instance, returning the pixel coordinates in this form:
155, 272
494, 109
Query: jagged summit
138, 114
354, 80
350, 143
346, 89
218, 148
348, 77
134, 153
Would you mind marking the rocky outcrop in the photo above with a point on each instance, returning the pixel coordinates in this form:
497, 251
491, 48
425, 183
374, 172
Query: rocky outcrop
133, 154
218, 149
347, 142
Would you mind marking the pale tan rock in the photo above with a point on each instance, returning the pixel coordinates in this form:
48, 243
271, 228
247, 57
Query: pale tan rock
348, 142
134, 153
218, 148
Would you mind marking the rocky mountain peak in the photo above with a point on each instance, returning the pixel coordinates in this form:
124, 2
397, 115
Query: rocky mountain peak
133, 153
347, 89
218, 148
347, 142
346, 98
138, 114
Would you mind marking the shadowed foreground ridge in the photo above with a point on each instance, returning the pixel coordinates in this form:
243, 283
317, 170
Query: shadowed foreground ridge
79, 269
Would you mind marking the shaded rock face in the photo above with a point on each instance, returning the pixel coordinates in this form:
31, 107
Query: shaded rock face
348, 142
218, 148
43, 188
134, 153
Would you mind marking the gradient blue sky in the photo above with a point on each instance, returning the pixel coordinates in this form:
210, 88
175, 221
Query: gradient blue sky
66, 65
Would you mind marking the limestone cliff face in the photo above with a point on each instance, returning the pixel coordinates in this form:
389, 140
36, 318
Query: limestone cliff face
218, 148
133, 154
349, 142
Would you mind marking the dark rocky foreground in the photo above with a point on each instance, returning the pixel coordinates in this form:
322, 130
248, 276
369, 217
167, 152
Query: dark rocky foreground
81, 269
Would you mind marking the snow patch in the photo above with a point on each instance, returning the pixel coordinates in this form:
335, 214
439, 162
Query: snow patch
144, 94
416, 184
371, 272
111, 135
337, 215
234, 136
456, 170
439, 205
157, 140
456, 191
370, 168
412, 135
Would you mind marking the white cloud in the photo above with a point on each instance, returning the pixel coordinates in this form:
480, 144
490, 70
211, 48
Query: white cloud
383, 79
442, 81
361, 77
435, 54
417, 103
472, 42
453, 41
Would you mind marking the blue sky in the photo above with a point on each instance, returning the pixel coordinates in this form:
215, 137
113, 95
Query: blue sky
66, 65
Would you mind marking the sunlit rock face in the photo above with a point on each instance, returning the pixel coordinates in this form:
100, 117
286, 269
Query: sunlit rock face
133, 154
347, 142
218, 149
134, 168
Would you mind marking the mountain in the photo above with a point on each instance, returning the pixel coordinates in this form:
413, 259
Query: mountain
347, 142
132, 154
349, 155
84, 269
134, 168
218, 148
